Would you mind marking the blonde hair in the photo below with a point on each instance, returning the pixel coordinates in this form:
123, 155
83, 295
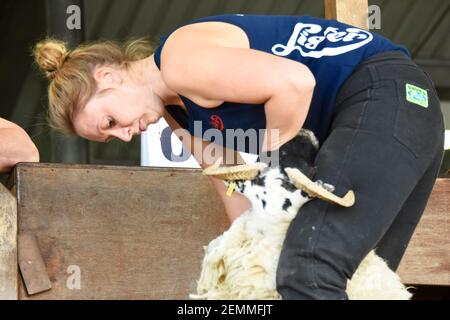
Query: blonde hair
71, 73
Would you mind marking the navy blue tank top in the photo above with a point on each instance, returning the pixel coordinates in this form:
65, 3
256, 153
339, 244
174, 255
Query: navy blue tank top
330, 49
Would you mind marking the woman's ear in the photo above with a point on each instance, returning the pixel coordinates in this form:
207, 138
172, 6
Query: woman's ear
107, 77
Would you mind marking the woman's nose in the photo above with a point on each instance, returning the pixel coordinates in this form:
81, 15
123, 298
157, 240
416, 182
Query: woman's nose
126, 134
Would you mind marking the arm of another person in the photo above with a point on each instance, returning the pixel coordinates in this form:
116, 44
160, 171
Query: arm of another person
15, 146
209, 74
235, 204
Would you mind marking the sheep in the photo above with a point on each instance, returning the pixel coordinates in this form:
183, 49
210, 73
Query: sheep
242, 262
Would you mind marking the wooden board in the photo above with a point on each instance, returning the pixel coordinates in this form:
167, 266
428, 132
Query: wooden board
8, 245
427, 258
128, 232
137, 233
31, 264
353, 12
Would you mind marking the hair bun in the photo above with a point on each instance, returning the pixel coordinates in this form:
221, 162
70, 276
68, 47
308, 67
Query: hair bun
50, 55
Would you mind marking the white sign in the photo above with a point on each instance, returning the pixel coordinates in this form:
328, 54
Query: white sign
161, 148
159, 145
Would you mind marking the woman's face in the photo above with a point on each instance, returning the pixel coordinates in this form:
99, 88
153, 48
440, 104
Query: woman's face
121, 108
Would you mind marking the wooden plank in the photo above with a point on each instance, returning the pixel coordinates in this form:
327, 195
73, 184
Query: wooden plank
353, 12
427, 258
32, 266
137, 233
125, 232
8, 245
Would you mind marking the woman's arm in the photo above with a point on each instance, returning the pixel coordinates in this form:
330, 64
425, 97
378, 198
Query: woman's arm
15, 146
234, 205
209, 74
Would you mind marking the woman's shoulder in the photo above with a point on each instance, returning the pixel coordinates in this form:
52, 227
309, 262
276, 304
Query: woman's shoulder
207, 33
184, 42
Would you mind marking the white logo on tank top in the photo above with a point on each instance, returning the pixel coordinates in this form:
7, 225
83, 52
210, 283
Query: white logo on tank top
306, 38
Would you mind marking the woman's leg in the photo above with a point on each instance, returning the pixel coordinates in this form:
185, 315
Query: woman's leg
380, 146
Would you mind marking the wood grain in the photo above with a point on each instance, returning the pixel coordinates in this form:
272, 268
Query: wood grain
427, 258
353, 12
134, 233
138, 233
8, 245
31, 264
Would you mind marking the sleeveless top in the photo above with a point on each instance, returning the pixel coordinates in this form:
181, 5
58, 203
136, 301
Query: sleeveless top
330, 49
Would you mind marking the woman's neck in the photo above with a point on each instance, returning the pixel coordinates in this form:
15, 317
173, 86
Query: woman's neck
150, 74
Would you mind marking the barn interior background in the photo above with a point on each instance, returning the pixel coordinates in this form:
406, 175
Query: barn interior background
421, 25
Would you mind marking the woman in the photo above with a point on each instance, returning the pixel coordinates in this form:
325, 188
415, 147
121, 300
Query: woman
375, 113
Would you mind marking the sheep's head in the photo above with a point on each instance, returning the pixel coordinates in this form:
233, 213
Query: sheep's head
271, 192
283, 185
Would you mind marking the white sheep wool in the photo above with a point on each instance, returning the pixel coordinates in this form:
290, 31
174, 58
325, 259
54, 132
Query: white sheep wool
242, 262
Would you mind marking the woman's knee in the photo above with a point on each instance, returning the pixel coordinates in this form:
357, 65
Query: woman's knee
301, 278
305, 271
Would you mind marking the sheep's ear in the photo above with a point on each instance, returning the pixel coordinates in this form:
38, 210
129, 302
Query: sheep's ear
231, 173
313, 189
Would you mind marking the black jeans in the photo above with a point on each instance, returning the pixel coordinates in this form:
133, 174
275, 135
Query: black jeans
385, 148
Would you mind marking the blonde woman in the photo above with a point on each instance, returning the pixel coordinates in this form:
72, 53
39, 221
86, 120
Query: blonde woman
375, 113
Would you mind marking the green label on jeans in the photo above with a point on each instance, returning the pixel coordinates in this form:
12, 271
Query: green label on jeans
417, 95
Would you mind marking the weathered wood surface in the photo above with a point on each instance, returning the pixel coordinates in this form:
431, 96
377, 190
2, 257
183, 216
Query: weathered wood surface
134, 233
8, 245
427, 258
353, 12
137, 233
31, 264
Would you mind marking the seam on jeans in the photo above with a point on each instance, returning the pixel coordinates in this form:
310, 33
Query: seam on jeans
374, 75
338, 179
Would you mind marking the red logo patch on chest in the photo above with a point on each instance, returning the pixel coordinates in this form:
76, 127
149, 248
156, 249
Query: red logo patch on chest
217, 122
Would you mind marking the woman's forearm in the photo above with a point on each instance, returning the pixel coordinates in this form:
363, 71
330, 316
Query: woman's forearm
234, 205
286, 112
